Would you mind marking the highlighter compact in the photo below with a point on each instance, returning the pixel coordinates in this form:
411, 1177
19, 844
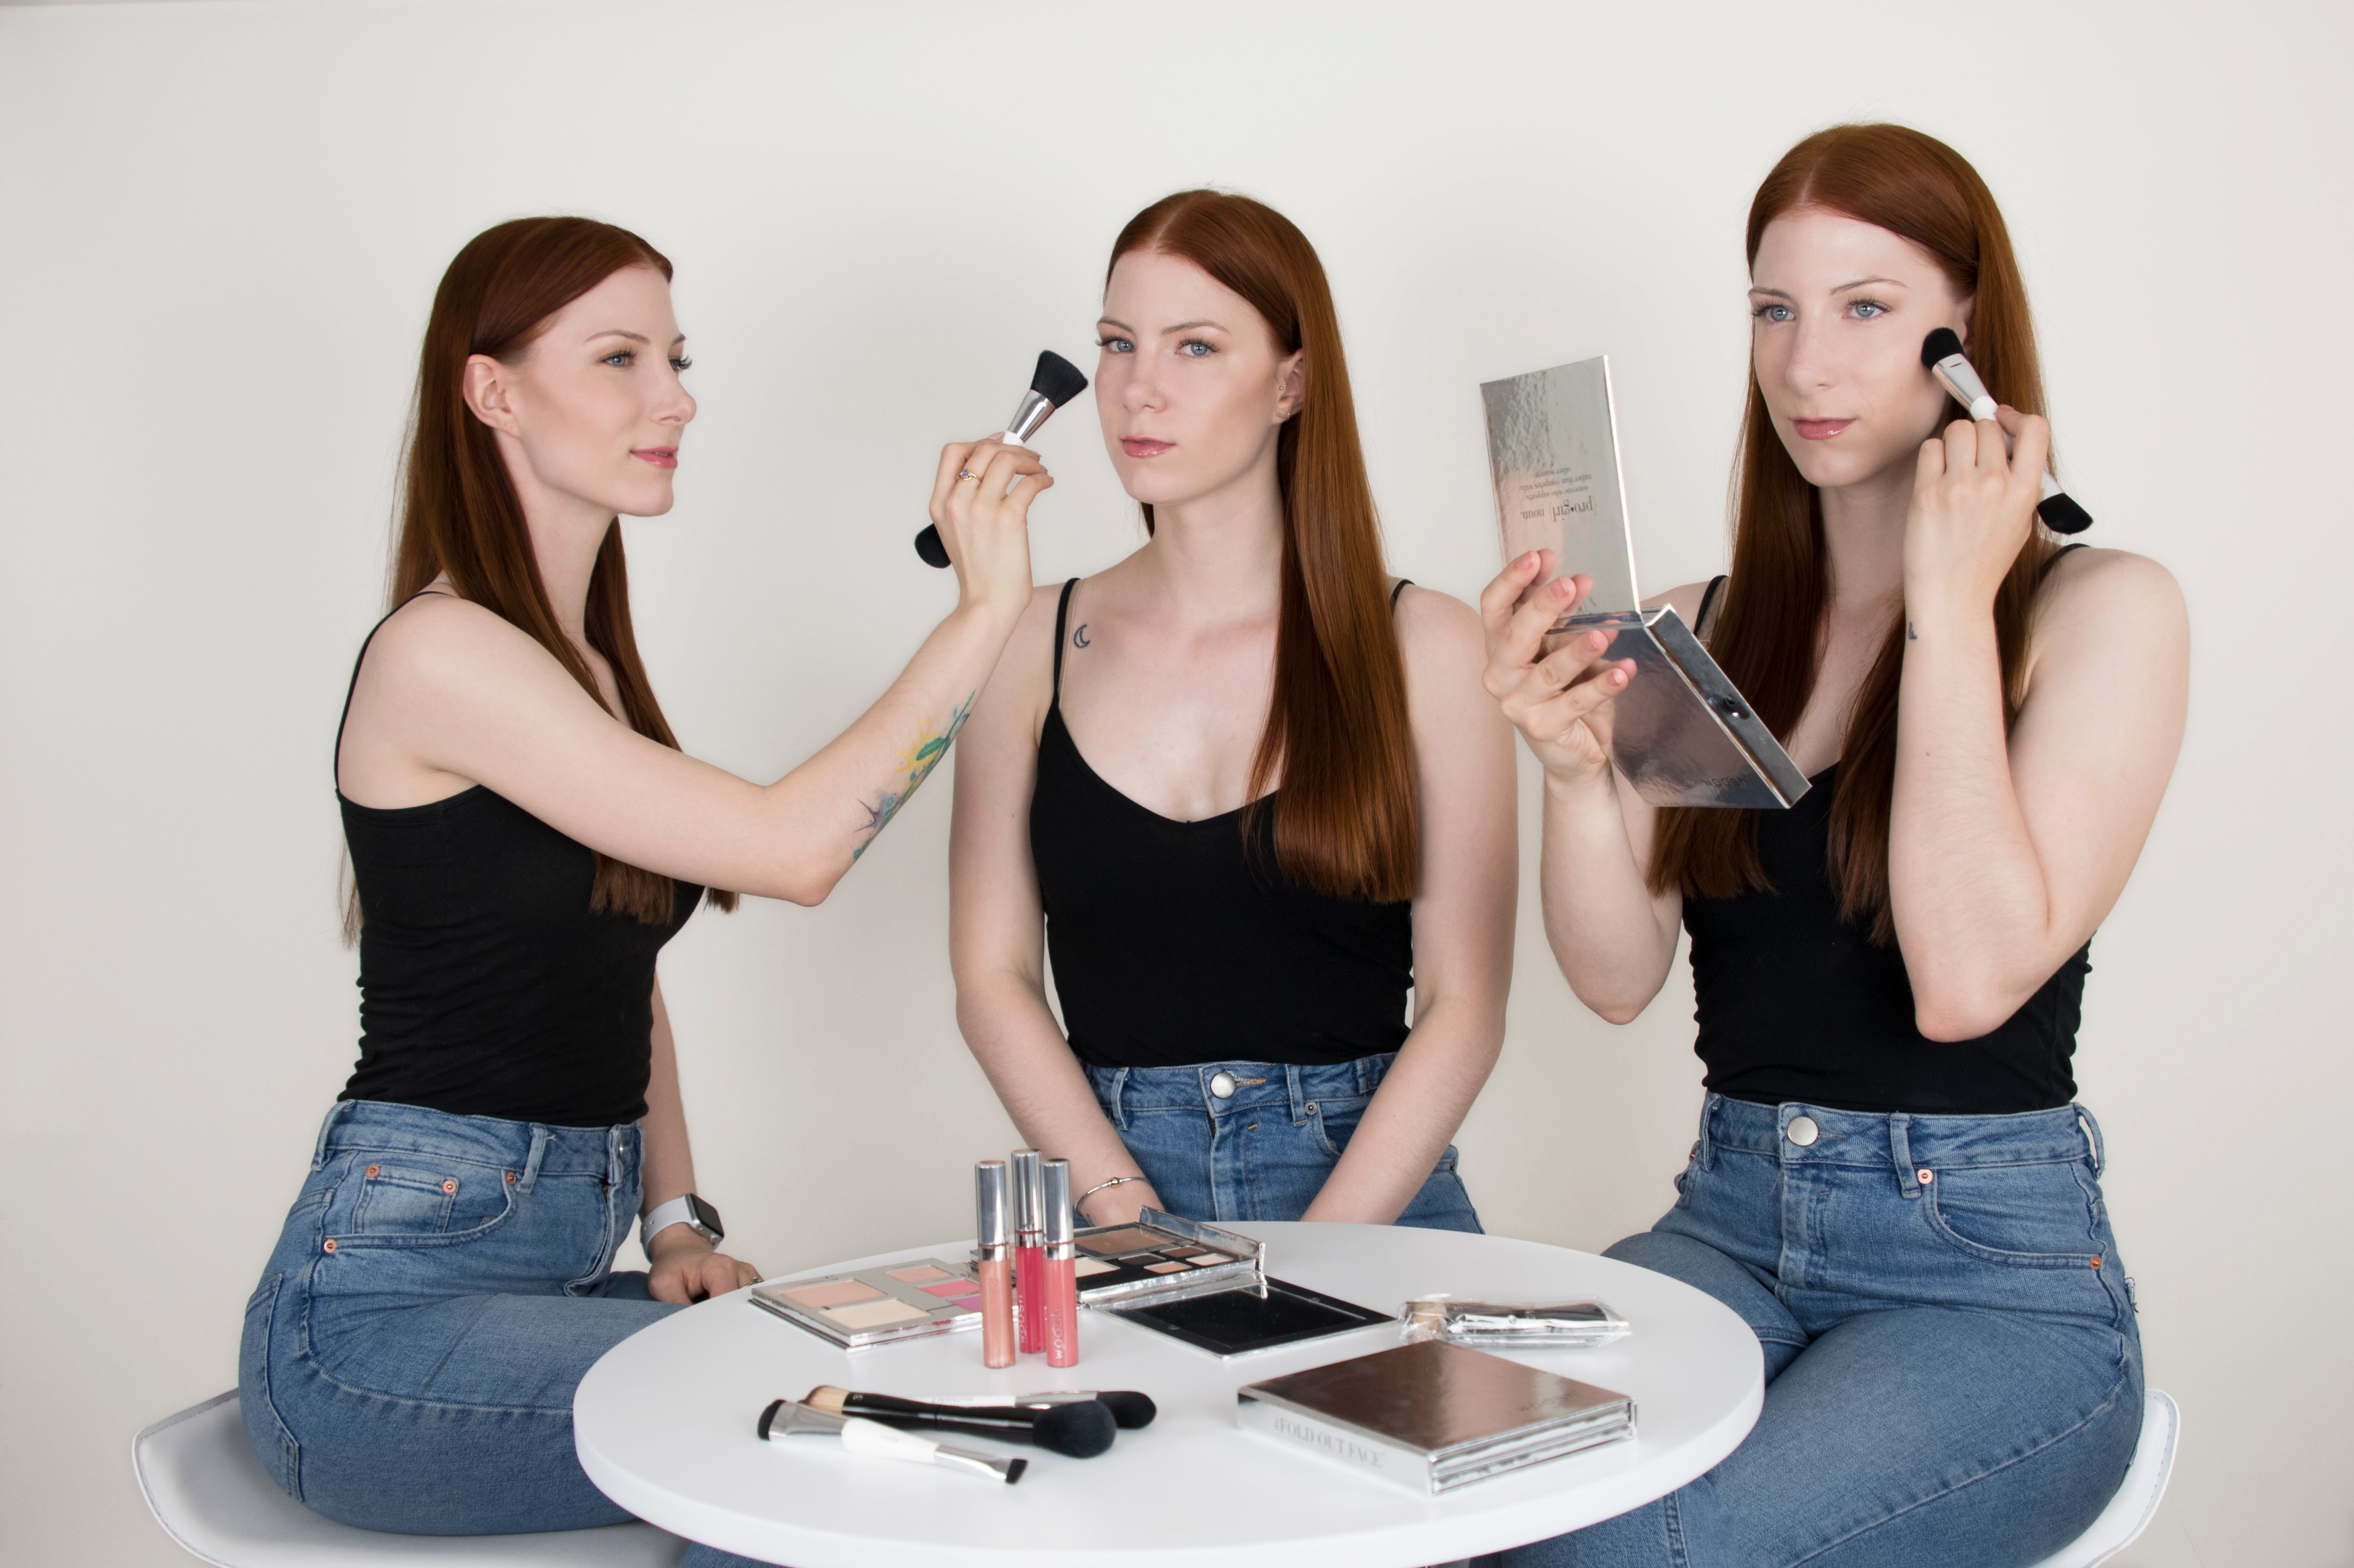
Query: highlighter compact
879, 1306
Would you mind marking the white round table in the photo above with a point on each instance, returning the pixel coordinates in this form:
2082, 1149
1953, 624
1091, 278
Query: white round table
665, 1423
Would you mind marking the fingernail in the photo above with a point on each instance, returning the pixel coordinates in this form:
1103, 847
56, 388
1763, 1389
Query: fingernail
1617, 677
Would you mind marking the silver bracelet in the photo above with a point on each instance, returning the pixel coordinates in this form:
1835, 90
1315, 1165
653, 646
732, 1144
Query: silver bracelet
1080, 1202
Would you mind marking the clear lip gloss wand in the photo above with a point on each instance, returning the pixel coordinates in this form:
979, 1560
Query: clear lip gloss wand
997, 1333
1061, 1281
1029, 1251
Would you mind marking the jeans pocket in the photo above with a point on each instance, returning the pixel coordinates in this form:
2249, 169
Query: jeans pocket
1331, 1123
2022, 1216
406, 1199
272, 1444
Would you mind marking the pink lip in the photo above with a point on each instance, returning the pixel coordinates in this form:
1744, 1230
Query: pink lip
661, 457
1820, 429
1143, 446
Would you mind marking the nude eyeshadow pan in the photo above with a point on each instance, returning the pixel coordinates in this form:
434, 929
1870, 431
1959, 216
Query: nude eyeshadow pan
879, 1306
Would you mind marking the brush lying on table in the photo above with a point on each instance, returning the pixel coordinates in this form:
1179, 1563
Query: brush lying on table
872, 1440
1080, 1429
1130, 1409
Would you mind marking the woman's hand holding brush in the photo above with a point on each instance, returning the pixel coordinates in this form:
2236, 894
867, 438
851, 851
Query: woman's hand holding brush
981, 505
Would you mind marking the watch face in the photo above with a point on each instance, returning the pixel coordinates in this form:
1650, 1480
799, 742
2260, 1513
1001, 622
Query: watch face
705, 1216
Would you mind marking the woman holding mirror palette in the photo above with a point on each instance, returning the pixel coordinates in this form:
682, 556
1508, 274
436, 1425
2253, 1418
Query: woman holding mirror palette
1243, 786
1893, 1185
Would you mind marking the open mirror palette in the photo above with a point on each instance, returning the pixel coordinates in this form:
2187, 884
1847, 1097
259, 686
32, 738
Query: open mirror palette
879, 1306
1164, 1257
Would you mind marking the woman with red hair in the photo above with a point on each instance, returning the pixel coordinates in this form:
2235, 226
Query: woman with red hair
1893, 1185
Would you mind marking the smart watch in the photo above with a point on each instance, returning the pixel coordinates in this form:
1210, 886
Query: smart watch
686, 1210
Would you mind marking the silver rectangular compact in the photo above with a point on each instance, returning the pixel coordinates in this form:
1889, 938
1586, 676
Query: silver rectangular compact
879, 1306
1163, 1257
1433, 1417
1680, 732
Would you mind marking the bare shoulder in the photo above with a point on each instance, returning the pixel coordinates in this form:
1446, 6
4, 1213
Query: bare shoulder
438, 643
1025, 672
1684, 600
1436, 631
2113, 595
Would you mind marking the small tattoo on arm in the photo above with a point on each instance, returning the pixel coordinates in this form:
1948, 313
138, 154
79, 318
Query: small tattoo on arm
1080, 638
1911, 635
916, 765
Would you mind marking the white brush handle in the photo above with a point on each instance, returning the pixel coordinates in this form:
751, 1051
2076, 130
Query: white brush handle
876, 1441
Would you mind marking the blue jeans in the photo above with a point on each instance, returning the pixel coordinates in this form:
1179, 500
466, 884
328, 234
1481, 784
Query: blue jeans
1953, 1372
1263, 1152
441, 1285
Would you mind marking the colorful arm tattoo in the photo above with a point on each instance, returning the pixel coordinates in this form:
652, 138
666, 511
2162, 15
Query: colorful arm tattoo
916, 765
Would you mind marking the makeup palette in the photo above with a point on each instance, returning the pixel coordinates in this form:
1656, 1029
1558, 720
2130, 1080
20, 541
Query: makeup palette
1163, 1257
879, 1306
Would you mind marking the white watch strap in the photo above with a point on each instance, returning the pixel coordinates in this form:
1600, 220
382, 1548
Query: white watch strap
662, 1216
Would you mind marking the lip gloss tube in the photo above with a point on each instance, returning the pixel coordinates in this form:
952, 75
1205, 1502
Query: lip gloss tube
1029, 1250
997, 1331
1059, 1284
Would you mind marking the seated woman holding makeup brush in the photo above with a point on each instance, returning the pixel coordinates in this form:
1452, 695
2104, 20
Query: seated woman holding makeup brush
1892, 1186
524, 837
1244, 785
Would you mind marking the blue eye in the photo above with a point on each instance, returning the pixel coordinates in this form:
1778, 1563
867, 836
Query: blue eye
1115, 345
1195, 348
682, 365
1774, 314
621, 358
1867, 310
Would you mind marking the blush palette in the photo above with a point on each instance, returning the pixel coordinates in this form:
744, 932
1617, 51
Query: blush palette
879, 1306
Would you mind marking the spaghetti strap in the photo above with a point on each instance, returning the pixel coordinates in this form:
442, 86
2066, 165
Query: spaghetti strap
1403, 584
335, 764
1062, 615
2052, 560
1701, 622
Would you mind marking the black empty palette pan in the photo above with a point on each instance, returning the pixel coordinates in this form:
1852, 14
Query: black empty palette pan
1233, 1322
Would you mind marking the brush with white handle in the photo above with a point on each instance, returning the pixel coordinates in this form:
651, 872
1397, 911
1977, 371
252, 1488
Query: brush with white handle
1942, 352
874, 1440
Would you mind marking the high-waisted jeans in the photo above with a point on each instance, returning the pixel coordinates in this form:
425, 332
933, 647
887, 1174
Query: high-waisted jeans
441, 1283
1262, 1151
1954, 1376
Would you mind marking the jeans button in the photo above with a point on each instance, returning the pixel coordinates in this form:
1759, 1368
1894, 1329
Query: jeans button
1803, 1131
1223, 1085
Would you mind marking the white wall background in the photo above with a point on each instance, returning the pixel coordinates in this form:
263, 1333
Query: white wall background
221, 226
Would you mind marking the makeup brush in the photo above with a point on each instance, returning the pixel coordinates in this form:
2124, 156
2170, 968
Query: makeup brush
1054, 383
1130, 1409
1079, 1430
1942, 352
872, 1440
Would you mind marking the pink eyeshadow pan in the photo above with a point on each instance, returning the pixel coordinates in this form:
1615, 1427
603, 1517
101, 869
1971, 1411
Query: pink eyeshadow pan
922, 1273
948, 1287
835, 1293
1165, 1267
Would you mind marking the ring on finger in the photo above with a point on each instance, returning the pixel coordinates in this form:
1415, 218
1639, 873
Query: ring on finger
968, 473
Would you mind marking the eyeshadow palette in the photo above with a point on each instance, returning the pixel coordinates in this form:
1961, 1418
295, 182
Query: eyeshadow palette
1163, 1257
1235, 1321
879, 1306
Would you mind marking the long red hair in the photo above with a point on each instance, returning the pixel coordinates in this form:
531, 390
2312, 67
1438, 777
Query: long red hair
1768, 637
459, 512
1346, 818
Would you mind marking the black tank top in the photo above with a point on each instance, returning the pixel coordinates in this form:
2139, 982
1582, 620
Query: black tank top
1183, 942
1796, 1003
487, 986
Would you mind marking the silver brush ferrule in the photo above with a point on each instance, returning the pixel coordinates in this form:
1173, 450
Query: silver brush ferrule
1028, 417
1962, 380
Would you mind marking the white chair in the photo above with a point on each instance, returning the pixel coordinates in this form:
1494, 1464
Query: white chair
2129, 1512
204, 1485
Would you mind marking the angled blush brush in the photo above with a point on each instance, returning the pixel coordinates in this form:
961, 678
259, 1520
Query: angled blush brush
1942, 352
1054, 383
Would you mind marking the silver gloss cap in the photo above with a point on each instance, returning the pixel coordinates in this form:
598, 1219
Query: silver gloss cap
990, 1221
1057, 1191
1026, 1208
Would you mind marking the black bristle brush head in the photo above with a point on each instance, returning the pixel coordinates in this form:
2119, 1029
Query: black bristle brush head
1942, 344
1080, 1430
1058, 379
1130, 1409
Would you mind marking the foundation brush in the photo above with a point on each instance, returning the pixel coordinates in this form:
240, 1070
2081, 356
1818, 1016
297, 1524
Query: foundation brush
1942, 352
1054, 383
1078, 1430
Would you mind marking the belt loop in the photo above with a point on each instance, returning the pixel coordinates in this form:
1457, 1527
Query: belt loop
1900, 1146
335, 1114
1704, 1148
2095, 1149
539, 1141
1296, 1092
1119, 1098
617, 1155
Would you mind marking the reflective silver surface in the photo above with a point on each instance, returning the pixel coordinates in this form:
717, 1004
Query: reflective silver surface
1681, 732
1552, 451
1028, 417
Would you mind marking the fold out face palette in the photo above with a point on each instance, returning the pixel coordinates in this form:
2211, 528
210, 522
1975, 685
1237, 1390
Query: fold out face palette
1163, 1256
879, 1306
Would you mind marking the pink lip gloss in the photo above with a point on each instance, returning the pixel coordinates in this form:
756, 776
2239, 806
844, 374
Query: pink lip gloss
1029, 1251
1059, 1284
997, 1331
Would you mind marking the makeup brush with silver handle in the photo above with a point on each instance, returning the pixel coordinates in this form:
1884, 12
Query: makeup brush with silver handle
872, 1440
1054, 383
1942, 352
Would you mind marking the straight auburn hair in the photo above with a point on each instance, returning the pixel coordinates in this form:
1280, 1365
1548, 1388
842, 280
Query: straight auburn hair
1768, 637
460, 515
1346, 818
